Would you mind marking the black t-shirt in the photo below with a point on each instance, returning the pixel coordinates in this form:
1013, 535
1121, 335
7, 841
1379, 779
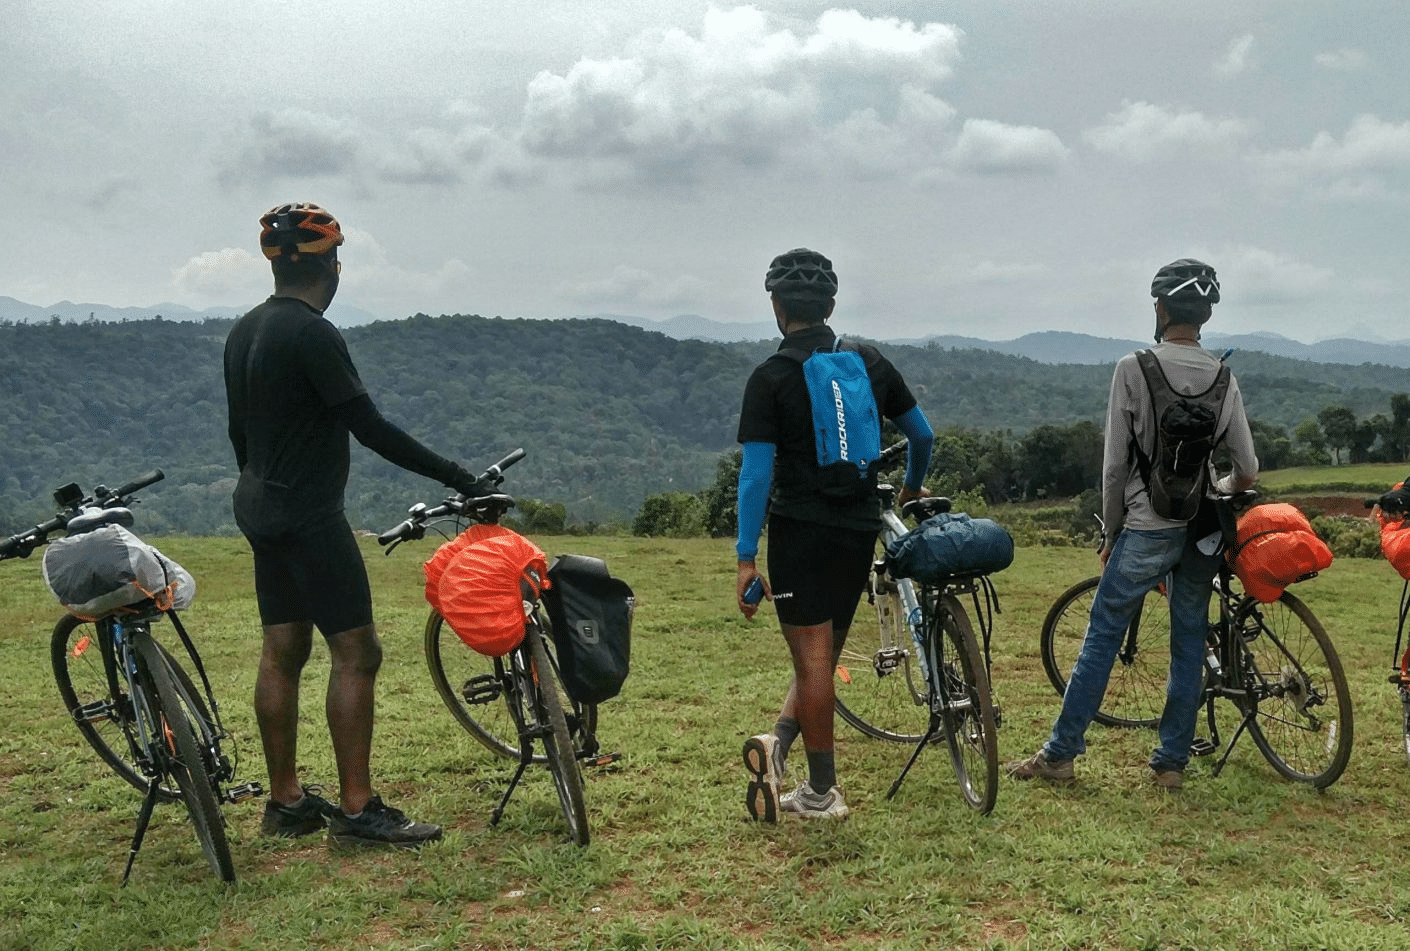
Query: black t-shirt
777, 410
286, 367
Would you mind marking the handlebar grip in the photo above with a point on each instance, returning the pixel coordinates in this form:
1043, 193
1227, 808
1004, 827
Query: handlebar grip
395, 534
494, 471
141, 482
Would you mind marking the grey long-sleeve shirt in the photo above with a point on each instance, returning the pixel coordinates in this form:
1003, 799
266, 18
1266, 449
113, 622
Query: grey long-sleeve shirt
1190, 370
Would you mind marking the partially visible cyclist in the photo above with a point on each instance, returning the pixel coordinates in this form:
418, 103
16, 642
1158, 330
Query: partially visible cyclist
1140, 547
820, 550
294, 396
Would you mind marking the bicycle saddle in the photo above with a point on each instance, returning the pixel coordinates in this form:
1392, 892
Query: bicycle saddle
92, 518
926, 506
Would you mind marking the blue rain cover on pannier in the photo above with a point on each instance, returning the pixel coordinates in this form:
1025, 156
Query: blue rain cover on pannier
948, 545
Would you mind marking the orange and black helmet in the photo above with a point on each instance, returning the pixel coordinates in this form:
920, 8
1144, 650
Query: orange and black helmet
298, 227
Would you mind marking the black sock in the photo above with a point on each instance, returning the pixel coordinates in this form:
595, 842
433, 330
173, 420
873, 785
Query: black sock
822, 771
787, 730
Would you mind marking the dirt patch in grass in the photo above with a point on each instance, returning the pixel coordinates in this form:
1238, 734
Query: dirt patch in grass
1314, 505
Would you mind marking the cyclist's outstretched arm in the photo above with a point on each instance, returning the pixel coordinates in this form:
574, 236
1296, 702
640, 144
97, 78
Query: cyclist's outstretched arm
383, 437
920, 441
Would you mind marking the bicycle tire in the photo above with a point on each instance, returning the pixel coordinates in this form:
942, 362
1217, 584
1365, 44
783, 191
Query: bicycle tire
180, 753
1405, 718
878, 681
453, 665
1295, 684
547, 707
968, 708
1135, 693
107, 726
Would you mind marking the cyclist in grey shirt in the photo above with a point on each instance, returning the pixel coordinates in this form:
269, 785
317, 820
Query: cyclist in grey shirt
1140, 547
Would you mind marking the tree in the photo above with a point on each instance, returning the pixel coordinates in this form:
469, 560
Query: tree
1274, 448
1398, 436
1312, 445
721, 499
1339, 427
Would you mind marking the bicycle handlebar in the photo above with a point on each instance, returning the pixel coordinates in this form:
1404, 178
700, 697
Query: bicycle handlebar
24, 543
482, 508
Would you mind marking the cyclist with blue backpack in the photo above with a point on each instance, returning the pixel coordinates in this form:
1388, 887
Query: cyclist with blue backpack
810, 426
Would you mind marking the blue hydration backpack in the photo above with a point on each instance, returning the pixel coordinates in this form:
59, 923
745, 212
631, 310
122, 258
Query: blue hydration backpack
846, 422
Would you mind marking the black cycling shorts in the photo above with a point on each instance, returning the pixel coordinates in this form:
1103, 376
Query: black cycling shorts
315, 575
817, 572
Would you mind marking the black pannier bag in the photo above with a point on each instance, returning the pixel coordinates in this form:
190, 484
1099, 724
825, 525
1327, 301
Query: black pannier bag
591, 614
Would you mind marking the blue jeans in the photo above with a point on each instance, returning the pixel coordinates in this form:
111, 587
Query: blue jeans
1139, 561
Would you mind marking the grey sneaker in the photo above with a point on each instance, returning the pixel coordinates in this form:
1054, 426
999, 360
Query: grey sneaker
309, 814
763, 757
803, 801
378, 825
1038, 766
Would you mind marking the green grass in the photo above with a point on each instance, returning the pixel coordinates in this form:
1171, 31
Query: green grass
1372, 477
1241, 860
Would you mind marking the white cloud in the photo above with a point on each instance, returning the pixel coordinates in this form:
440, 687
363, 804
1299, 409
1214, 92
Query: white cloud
1237, 57
1343, 60
1141, 131
1367, 161
218, 277
990, 147
637, 287
1251, 275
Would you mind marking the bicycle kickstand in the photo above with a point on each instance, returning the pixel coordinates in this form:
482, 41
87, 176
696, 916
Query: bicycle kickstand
143, 818
526, 757
930, 733
1243, 725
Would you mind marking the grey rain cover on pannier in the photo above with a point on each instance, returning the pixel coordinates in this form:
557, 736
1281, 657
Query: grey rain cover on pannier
95, 573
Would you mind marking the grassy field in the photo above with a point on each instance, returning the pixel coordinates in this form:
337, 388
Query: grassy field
1241, 860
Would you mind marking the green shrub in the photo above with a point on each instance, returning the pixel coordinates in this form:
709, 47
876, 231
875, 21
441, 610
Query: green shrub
1348, 537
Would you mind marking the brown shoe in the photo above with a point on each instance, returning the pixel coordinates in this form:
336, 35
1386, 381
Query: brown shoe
1038, 766
1169, 778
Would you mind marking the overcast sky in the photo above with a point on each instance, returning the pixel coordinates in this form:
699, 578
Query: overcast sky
978, 167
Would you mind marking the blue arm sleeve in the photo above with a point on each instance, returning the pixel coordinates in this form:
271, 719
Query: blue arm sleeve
920, 440
756, 474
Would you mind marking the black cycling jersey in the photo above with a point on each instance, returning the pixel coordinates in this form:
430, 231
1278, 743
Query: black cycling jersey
294, 397
777, 410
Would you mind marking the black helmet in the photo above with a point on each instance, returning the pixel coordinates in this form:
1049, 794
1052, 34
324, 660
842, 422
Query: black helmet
1186, 280
801, 274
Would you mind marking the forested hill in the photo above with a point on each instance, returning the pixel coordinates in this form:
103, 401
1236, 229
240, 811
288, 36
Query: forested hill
609, 413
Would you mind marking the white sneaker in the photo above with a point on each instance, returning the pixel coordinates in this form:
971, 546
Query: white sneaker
803, 801
763, 757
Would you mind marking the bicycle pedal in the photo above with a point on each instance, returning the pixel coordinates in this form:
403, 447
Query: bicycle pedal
600, 759
94, 711
243, 791
482, 689
888, 661
1201, 747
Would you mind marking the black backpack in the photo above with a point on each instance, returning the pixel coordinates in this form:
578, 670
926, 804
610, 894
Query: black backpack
1186, 434
591, 615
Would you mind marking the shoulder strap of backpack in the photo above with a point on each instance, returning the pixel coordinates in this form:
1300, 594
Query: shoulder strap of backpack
1159, 388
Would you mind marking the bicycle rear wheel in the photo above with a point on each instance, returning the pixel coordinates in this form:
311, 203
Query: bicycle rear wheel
967, 706
547, 708
469, 684
180, 752
1296, 689
105, 721
879, 682
1135, 694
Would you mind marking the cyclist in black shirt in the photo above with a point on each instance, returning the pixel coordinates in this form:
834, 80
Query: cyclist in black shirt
294, 396
820, 550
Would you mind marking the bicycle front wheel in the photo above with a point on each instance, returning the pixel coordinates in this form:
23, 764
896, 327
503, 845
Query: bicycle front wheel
547, 707
1135, 694
879, 682
104, 720
180, 742
967, 706
1296, 690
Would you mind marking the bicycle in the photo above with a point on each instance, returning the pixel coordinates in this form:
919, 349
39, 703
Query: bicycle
1272, 661
920, 674
130, 698
1393, 504
513, 702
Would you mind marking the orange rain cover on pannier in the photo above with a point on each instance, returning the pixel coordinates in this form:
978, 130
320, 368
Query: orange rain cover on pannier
1275, 547
436, 564
1395, 539
480, 594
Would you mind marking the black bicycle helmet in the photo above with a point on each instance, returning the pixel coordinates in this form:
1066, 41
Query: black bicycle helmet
1186, 280
801, 274
298, 227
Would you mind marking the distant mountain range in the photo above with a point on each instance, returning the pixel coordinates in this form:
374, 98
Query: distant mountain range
1051, 346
